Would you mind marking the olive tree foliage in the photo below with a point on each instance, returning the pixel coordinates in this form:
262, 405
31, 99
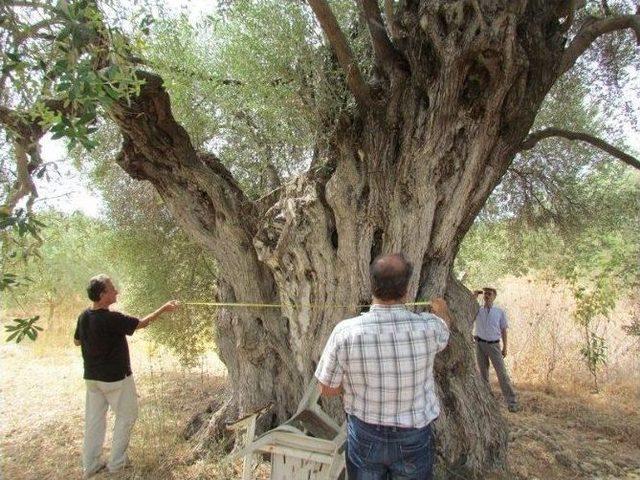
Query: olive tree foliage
254, 83
563, 208
72, 250
332, 132
47, 84
153, 261
596, 249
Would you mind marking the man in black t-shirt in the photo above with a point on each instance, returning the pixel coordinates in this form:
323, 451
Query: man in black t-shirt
101, 334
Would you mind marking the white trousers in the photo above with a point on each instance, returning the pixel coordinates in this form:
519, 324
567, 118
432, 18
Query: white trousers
121, 396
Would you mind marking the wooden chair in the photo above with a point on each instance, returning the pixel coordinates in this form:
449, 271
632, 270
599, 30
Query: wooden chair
310, 445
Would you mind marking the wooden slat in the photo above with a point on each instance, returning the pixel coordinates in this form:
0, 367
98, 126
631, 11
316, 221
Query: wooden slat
305, 455
310, 397
287, 468
244, 421
309, 421
247, 464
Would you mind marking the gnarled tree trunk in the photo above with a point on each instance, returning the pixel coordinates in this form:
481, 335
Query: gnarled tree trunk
456, 93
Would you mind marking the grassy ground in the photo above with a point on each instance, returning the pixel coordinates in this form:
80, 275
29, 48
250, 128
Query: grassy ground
560, 436
563, 432
557, 435
43, 414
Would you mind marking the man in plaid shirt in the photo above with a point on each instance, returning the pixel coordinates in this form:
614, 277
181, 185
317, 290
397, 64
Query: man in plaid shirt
382, 364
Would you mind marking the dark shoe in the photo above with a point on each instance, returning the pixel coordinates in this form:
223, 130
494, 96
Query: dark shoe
515, 408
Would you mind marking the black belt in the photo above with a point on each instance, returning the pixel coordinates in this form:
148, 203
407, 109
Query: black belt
478, 339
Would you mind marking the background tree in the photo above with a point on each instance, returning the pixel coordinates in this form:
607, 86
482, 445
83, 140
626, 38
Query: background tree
401, 125
146, 249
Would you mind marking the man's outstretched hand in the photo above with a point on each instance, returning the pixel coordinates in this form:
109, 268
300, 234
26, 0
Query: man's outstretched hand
170, 306
440, 308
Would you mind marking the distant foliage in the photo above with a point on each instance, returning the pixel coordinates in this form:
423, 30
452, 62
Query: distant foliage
149, 259
600, 244
69, 253
156, 262
20, 243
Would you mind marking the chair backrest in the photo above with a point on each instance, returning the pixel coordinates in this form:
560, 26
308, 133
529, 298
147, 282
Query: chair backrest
310, 419
310, 445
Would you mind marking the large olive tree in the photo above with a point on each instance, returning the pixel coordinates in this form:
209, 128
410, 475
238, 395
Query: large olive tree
424, 118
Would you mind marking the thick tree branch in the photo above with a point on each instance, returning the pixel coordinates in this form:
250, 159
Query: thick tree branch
391, 18
197, 188
386, 54
535, 137
591, 30
26, 137
360, 89
148, 122
24, 184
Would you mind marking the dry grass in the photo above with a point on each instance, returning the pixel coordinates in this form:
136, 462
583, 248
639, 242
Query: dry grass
545, 340
43, 413
561, 436
564, 431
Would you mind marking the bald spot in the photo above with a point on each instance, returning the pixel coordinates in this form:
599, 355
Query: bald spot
390, 276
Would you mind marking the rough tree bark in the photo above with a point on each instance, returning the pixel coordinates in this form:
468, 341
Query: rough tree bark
456, 93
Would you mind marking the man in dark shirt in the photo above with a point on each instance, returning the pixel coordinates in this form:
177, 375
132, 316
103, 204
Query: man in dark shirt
101, 334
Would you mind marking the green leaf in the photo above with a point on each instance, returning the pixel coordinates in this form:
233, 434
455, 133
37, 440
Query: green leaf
12, 336
110, 91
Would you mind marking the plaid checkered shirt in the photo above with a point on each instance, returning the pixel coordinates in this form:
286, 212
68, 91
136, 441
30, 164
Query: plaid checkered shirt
384, 361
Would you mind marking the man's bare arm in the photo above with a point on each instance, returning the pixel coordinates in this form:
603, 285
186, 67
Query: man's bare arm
328, 391
440, 308
76, 342
167, 307
504, 342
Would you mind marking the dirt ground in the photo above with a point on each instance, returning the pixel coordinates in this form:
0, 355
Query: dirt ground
556, 436
563, 436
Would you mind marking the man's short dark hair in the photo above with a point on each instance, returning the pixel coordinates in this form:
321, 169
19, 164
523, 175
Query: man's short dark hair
490, 289
97, 285
390, 275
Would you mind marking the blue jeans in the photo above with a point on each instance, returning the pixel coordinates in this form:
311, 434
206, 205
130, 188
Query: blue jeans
377, 452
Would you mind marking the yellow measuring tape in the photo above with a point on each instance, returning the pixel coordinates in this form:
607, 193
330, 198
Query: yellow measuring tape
294, 305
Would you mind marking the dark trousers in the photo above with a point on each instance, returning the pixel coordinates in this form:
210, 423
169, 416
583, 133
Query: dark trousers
377, 452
